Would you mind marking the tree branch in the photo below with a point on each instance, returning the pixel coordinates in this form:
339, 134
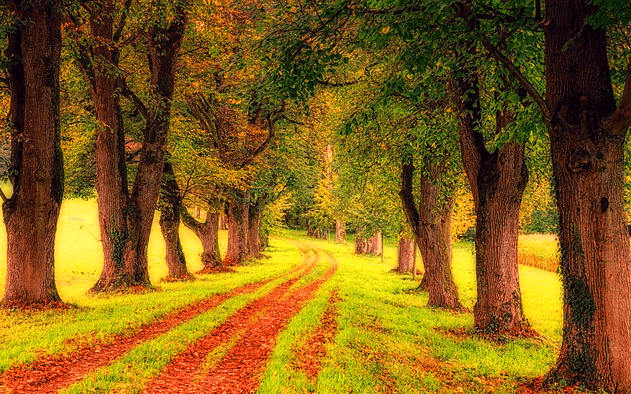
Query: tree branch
407, 194
127, 92
121, 23
516, 73
619, 122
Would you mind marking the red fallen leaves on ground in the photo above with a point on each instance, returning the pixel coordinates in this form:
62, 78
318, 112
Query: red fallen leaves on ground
241, 369
238, 371
52, 373
310, 356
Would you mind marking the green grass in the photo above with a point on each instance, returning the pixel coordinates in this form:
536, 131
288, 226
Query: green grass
385, 333
25, 335
388, 340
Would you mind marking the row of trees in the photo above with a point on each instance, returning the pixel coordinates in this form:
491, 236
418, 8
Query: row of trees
468, 76
428, 89
155, 106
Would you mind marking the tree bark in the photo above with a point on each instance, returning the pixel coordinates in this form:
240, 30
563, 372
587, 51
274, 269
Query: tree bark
361, 245
208, 234
375, 244
587, 134
406, 255
255, 210
238, 207
431, 226
340, 231
111, 171
170, 208
497, 181
36, 171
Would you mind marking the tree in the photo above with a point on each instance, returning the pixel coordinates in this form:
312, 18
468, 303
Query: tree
587, 133
170, 213
125, 216
36, 171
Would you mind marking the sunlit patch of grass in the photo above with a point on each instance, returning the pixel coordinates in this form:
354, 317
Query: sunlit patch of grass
389, 341
539, 251
27, 335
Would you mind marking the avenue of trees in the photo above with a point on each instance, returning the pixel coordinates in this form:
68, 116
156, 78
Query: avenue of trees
367, 116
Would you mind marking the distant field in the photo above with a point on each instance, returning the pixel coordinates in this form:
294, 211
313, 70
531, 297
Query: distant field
539, 251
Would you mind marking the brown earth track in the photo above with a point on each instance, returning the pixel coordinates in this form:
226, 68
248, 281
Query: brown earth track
309, 357
241, 368
53, 373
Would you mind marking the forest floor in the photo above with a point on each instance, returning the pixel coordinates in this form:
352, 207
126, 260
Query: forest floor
311, 317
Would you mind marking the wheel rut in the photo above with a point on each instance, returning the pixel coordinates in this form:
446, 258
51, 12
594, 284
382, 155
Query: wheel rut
240, 370
53, 373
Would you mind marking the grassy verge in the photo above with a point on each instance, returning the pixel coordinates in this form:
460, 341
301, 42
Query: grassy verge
388, 341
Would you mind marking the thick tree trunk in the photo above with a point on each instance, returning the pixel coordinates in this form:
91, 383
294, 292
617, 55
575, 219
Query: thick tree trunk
208, 234
497, 181
254, 237
170, 208
375, 244
125, 250
406, 255
431, 225
587, 134
255, 245
361, 245
238, 207
502, 182
111, 172
36, 170
340, 231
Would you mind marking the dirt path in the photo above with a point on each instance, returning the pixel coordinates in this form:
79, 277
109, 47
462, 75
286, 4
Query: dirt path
240, 370
53, 373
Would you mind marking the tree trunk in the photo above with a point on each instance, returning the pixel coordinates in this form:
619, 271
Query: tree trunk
431, 225
406, 255
503, 180
170, 208
587, 134
255, 245
254, 237
208, 234
111, 171
497, 181
340, 231
238, 207
125, 249
223, 221
36, 171
361, 246
375, 245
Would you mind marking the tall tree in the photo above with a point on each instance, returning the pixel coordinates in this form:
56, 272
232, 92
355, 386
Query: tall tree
587, 133
36, 172
431, 226
125, 216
